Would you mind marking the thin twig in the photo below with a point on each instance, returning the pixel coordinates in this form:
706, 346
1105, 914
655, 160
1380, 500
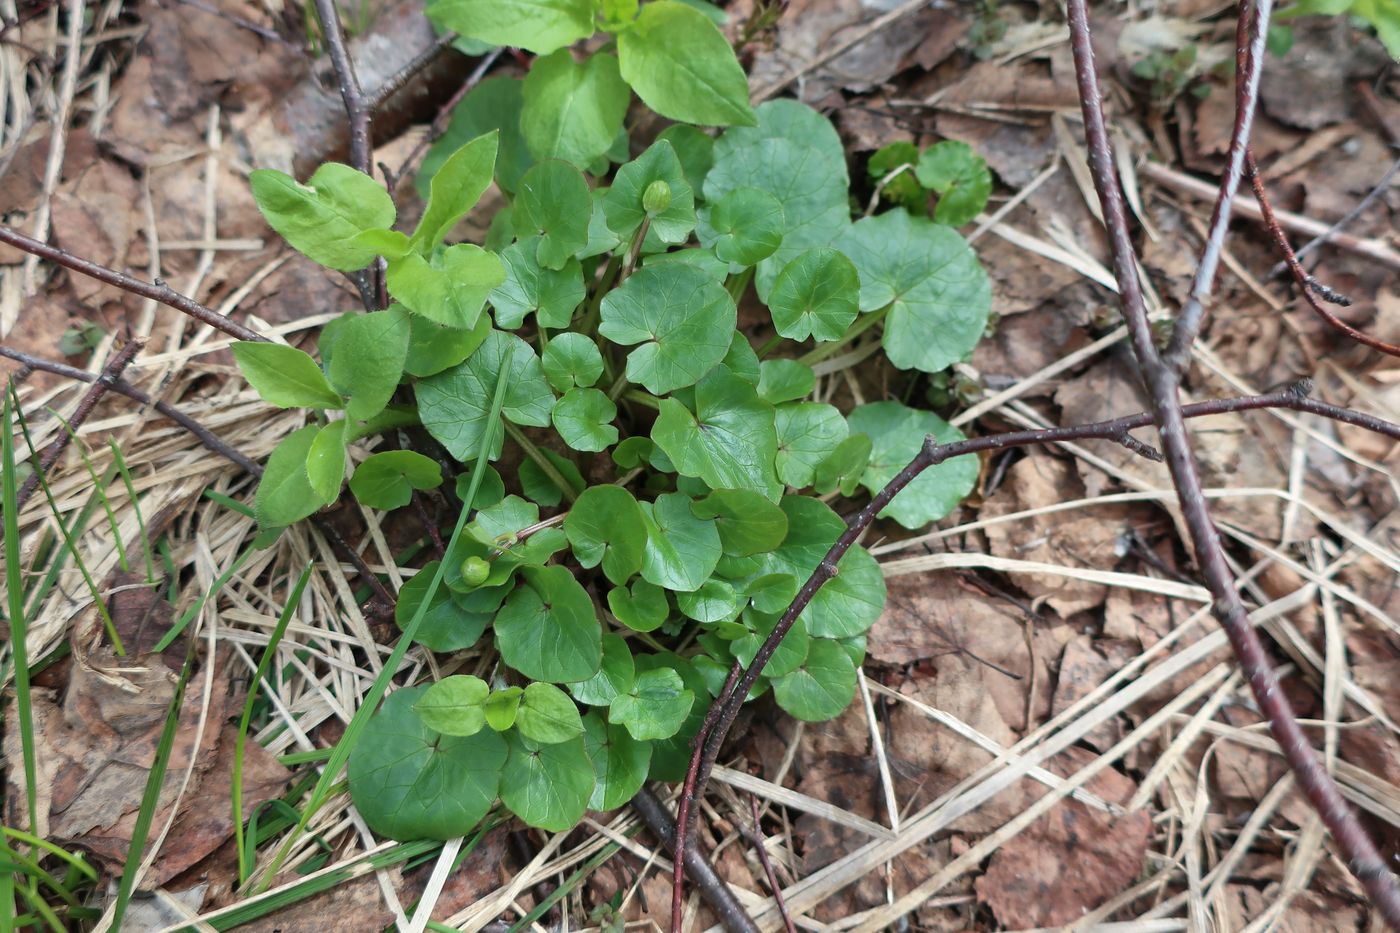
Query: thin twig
358, 110
121, 387
1381, 187
725, 709
156, 292
109, 375
443, 118
1309, 285
1252, 26
395, 82
209, 440
712, 888
1163, 386
757, 838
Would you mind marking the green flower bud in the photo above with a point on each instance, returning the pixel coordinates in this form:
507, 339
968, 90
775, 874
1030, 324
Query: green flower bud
657, 197
475, 571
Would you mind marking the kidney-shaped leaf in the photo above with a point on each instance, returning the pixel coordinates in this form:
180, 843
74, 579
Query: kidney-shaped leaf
729, 441
938, 294
655, 707
548, 786
683, 319
410, 782
386, 480
606, 526
547, 630
620, 762
896, 434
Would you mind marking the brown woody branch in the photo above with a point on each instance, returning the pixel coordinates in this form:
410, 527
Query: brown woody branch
104, 381
156, 292
1163, 386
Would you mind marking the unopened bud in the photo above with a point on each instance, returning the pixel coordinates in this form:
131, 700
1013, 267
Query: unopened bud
475, 571
657, 197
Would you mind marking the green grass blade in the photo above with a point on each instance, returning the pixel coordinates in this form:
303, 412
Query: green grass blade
151, 797
336, 763
245, 857
191, 613
14, 583
76, 862
120, 461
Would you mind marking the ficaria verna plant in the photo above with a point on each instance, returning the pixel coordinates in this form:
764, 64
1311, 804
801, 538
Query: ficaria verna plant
684, 475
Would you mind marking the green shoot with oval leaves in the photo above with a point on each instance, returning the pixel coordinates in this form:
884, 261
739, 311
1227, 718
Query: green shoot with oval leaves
672, 493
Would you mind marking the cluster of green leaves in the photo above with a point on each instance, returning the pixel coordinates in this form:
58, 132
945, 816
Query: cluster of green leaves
951, 170
1381, 15
682, 471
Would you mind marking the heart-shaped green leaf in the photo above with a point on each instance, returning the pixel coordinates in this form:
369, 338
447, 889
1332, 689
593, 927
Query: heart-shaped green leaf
547, 629
729, 441
620, 762
897, 433
682, 318
547, 786
386, 480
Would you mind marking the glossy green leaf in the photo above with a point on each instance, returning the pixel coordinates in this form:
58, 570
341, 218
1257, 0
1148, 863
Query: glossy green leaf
695, 149
642, 607
795, 155
601, 239
284, 494
620, 762
529, 288
744, 227
554, 201
748, 522
815, 295
450, 288
623, 205
606, 526
391, 244
789, 654
852, 600
742, 361
455, 188
822, 687
655, 707
494, 104
547, 715
453, 404
784, 380
322, 217
572, 360
614, 677
433, 347
547, 786
903, 188
325, 462
446, 626
681, 550
386, 480
682, 67
682, 318
284, 376
454, 705
715, 601
368, 358
938, 294
541, 26
729, 441
491, 490
542, 487
583, 418
573, 109
410, 782
547, 629
808, 433
960, 177
897, 433
501, 708
843, 467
